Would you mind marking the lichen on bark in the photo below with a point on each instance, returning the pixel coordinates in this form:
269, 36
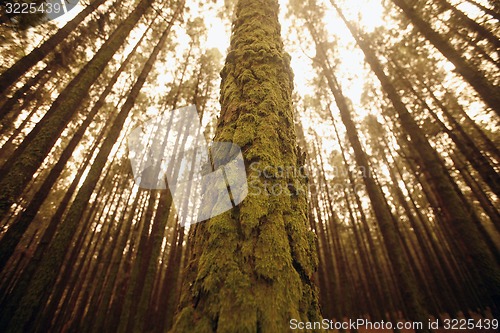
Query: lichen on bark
251, 268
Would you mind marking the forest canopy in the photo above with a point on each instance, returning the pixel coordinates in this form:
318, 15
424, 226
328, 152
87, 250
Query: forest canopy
249, 165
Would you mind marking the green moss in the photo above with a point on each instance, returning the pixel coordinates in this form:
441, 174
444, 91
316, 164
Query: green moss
185, 322
251, 267
254, 209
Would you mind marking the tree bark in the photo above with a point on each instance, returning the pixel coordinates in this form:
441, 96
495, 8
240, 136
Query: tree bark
251, 267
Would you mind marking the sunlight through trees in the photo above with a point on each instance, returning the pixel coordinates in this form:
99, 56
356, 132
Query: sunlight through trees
369, 135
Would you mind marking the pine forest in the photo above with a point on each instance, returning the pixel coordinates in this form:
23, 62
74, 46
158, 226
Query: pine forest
249, 166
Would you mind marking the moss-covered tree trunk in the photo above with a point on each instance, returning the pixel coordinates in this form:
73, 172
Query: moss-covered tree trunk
251, 268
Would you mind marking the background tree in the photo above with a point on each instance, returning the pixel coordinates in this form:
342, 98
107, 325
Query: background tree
375, 179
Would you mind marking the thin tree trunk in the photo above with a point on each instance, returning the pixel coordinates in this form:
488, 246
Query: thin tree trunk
21, 92
458, 217
10, 303
472, 25
30, 155
13, 235
95, 319
461, 139
491, 12
36, 293
408, 285
12, 74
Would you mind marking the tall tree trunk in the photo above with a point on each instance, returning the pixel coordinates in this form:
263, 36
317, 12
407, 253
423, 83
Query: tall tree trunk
96, 317
462, 140
13, 235
9, 104
458, 217
477, 191
12, 74
169, 289
251, 268
46, 273
408, 285
11, 301
453, 103
371, 268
